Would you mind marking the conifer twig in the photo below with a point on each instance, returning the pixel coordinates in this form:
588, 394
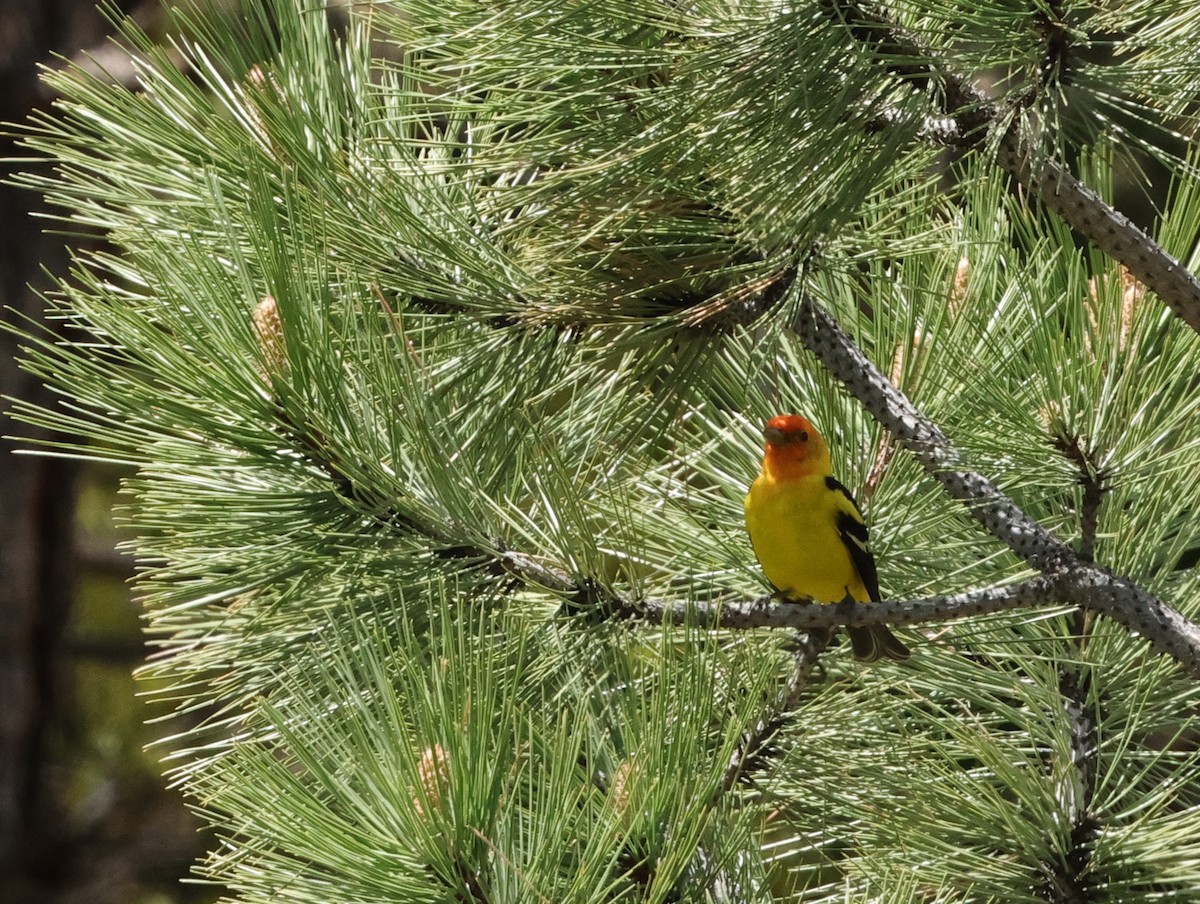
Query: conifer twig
1077, 580
755, 744
1067, 576
771, 612
978, 118
1067, 876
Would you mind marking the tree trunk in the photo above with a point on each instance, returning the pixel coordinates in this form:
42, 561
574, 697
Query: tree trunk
36, 494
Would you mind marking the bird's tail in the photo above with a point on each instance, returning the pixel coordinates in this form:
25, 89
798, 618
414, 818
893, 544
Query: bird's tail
873, 642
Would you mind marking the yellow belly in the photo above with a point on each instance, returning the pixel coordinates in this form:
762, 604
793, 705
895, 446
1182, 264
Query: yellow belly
793, 528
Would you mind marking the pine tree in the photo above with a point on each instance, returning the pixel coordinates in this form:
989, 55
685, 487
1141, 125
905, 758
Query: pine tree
441, 341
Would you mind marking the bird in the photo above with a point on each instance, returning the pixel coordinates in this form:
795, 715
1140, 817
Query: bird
809, 534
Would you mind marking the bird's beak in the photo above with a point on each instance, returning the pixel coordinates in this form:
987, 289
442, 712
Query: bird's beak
774, 436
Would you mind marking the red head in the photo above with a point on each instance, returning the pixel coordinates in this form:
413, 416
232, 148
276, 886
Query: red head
794, 448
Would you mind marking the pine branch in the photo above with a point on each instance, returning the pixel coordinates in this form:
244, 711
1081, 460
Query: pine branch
1077, 580
1068, 576
979, 118
771, 612
756, 743
1067, 879
1072, 577
1092, 480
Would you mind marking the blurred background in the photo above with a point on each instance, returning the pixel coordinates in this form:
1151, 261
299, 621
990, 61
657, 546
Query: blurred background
85, 814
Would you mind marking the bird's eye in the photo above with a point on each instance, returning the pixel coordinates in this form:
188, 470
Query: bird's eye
803, 436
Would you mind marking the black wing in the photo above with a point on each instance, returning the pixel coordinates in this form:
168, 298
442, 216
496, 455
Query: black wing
855, 537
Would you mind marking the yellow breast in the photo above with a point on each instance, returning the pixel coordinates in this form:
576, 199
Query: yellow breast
793, 528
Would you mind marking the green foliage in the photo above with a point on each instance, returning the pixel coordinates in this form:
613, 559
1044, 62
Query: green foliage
521, 257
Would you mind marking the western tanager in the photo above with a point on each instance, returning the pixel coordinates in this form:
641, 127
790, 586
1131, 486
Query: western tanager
809, 534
